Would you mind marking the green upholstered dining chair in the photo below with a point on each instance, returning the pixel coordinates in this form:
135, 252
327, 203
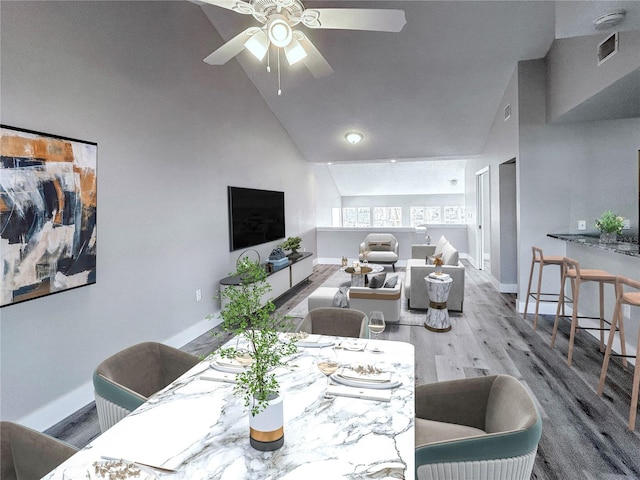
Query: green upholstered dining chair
476, 429
341, 322
26, 454
128, 378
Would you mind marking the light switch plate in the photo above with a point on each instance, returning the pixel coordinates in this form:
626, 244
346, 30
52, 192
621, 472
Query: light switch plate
626, 224
582, 224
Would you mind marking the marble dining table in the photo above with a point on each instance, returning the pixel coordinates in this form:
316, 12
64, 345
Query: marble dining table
200, 429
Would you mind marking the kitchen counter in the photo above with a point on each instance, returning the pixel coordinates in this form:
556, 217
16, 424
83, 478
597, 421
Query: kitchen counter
626, 247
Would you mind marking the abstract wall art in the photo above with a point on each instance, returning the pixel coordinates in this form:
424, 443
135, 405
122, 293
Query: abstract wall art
48, 200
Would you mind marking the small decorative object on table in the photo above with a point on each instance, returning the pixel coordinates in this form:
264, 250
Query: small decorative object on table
437, 261
344, 261
610, 226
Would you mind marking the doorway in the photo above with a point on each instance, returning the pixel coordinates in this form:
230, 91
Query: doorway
483, 230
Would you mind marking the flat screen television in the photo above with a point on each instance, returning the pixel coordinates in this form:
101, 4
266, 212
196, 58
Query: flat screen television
255, 216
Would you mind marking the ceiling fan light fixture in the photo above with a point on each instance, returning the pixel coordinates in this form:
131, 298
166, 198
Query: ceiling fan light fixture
258, 44
280, 33
294, 52
353, 137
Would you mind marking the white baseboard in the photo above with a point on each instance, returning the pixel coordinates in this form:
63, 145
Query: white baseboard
55, 411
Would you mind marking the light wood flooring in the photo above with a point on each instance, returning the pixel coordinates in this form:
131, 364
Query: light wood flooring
584, 436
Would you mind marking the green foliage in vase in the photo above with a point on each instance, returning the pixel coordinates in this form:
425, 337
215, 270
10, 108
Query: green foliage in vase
245, 315
609, 222
291, 243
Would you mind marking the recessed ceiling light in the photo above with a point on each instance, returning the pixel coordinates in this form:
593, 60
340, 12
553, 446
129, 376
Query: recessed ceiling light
393, 160
353, 137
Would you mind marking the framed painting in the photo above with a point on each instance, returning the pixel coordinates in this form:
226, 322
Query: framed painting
48, 200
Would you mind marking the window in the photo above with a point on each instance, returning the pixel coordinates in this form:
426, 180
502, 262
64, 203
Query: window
453, 215
356, 217
425, 215
387, 216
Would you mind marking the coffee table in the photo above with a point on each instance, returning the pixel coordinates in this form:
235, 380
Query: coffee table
361, 278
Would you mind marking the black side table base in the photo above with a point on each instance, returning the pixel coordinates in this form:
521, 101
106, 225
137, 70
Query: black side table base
437, 330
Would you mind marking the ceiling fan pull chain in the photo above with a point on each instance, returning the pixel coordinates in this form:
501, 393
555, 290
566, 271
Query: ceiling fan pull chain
279, 89
269, 59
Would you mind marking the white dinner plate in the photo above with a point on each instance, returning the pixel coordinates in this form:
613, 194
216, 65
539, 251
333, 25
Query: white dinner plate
364, 384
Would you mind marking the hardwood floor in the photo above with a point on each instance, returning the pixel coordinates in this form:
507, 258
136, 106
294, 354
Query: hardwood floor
584, 436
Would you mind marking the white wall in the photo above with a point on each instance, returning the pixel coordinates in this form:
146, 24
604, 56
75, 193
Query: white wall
501, 147
574, 76
172, 133
327, 195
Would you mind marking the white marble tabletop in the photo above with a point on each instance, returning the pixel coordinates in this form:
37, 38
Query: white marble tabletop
200, 429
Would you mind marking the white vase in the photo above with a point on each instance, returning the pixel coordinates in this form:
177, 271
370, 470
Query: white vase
266, 430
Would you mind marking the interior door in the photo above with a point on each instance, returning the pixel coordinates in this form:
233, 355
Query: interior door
482, 214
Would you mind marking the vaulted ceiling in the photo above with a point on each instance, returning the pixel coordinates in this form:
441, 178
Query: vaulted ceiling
429, 92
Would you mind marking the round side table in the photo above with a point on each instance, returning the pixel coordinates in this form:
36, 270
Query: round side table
437, 314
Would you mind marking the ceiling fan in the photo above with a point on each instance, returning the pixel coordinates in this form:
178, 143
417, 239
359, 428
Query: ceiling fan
278, 19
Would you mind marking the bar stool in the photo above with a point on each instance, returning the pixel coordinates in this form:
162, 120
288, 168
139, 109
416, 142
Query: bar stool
571, 270
629, 298
542, 261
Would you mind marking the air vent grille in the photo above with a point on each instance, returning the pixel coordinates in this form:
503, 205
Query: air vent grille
607, 48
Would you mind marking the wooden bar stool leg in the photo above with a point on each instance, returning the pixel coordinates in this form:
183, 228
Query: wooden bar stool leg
535, 319
601, 292
633, 410
526, 302
560, 303
607, 353
575, 293
623, 344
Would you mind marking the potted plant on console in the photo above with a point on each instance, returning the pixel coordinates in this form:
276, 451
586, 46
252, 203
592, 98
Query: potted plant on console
245, 315
293, 244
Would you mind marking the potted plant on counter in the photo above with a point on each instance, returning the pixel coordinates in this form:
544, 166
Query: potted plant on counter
245, 315
610, 226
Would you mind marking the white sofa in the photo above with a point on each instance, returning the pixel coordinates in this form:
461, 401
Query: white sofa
415, 287
386, 300
382, 248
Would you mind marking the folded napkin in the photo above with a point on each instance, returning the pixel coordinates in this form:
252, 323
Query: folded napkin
218, 376
363, 393
352, 374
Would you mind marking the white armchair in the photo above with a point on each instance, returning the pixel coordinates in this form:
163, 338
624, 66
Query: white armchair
380, 248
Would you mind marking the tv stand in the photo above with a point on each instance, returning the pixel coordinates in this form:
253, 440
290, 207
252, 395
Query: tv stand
299, 269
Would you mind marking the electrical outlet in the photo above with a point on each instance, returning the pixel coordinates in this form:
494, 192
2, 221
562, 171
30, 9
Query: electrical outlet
582, 224
626, 224
198, 295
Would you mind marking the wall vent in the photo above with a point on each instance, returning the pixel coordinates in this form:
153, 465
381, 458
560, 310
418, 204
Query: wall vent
607, 48
507, 112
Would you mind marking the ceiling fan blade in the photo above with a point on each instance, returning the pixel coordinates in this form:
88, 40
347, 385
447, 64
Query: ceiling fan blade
314, 60
379, 20
232, 48
237, 6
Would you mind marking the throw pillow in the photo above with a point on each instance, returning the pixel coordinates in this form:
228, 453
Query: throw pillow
377, 281
392, 282
440, 245
450, 255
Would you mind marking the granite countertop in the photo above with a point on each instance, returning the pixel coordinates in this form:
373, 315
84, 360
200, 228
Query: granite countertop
628, 246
